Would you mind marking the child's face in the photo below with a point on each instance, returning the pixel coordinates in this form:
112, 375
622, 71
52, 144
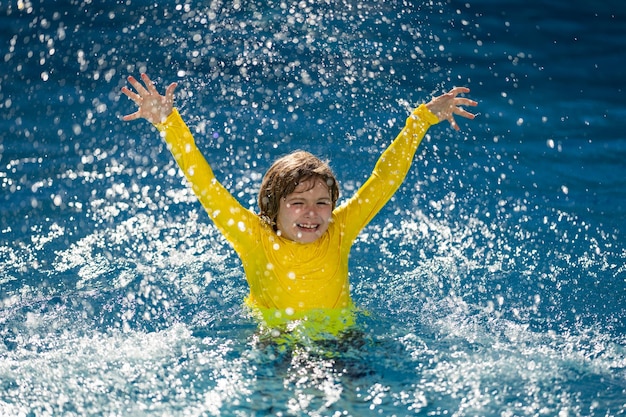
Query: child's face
303, 215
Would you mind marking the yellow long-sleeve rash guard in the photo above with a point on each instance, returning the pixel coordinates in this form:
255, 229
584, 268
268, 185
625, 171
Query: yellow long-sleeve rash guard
284, 275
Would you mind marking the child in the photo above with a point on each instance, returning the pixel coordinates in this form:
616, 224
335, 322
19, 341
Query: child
295, 251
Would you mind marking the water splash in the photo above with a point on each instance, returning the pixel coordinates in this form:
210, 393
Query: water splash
494, 282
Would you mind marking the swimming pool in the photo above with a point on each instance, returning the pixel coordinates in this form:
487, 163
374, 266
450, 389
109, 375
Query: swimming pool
492, 284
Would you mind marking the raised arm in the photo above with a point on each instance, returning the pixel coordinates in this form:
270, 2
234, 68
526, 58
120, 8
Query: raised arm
231, 218
396, 160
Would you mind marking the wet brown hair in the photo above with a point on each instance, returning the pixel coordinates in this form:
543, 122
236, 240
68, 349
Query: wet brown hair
284, 176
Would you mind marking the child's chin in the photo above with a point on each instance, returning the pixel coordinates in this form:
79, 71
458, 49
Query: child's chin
308, 237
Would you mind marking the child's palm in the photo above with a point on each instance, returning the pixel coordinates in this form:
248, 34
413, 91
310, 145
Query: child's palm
153, 106
447, 105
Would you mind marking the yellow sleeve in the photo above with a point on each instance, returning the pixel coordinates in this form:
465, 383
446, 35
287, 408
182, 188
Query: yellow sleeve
389, 173
235, 222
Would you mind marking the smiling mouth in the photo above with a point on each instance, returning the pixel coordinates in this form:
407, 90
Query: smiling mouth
308, 227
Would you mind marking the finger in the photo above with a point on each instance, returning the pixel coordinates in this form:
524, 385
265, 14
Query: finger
169, 92
462, 101
140, 88
459, 90
453, 123
149, 84
132, 116
464, 113
131, 95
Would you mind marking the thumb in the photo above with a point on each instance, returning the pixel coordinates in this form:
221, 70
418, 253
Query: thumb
169, 92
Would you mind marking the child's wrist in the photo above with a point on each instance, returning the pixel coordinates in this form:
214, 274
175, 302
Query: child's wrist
425, 114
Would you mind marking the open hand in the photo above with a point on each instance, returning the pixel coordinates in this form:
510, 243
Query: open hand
152, 106
447, 105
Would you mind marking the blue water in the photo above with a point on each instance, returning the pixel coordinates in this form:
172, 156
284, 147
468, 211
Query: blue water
493, 284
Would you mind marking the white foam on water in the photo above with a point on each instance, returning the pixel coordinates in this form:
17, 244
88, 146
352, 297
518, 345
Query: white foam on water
122, 373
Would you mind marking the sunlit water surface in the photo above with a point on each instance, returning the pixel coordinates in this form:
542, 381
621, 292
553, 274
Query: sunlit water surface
492, 284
